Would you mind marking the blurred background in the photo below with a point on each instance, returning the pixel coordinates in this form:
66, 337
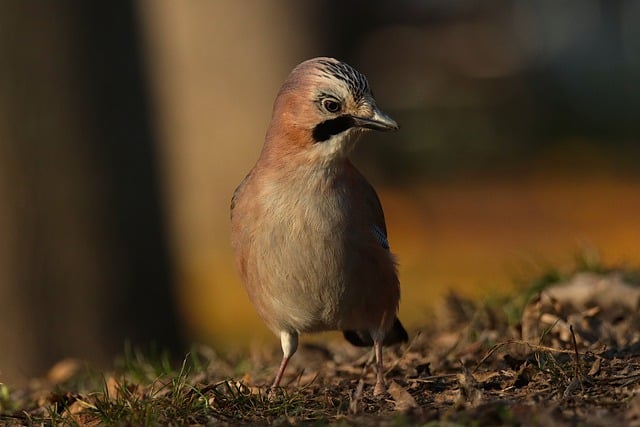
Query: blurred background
125, 127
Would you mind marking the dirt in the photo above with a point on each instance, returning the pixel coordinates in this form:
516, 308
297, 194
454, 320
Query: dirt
565, 355
577, 362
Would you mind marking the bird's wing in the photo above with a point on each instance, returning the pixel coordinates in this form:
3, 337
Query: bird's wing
381, 236
375, 215
374, 208
237, 192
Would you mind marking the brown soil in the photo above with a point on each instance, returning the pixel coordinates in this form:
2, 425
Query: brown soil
571, 357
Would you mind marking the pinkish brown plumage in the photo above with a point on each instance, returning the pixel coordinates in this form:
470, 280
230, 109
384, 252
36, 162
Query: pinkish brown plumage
307, 229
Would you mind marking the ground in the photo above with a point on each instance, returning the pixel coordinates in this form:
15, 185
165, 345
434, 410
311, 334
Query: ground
565, 352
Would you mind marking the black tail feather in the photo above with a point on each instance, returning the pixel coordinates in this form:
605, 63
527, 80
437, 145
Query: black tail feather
396, 334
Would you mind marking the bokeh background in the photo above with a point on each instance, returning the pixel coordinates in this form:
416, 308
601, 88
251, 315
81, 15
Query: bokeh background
125, 127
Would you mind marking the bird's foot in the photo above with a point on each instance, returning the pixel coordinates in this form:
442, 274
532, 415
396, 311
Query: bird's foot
379, 389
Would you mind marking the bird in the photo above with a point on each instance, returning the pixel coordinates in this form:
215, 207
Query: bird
307, 229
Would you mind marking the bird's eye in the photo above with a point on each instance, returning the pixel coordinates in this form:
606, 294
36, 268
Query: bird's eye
331, 105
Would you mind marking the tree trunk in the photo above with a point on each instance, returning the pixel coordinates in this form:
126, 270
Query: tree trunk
83, 256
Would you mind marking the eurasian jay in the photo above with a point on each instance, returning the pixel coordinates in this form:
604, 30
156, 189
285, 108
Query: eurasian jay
307, 229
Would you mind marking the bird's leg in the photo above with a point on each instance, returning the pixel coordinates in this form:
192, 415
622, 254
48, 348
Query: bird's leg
283, 366
379, 389
289, 343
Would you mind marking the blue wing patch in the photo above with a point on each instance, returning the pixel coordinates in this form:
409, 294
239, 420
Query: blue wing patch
381, 236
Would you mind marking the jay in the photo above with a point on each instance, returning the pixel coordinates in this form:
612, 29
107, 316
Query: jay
307, 229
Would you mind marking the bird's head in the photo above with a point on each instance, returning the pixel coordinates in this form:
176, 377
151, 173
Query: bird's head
321, 107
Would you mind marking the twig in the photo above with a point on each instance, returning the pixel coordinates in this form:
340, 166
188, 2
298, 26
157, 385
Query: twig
579, 372
431, 378
537, 347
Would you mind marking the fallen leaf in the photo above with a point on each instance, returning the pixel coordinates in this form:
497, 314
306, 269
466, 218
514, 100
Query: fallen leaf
595, 368
402, 398
63, 370
355, 397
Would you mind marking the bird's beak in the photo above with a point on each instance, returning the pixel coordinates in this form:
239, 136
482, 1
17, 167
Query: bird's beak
379, 121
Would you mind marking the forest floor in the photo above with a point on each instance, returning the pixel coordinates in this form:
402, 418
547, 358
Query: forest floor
563, 352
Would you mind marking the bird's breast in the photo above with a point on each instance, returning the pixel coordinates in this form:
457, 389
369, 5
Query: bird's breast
311, 257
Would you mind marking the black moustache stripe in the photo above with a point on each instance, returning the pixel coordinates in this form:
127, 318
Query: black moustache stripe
328, 128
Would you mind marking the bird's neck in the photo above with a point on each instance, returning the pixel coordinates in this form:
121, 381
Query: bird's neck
296, 149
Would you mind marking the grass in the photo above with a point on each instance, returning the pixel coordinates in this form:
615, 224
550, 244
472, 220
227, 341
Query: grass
147, 390
471, 371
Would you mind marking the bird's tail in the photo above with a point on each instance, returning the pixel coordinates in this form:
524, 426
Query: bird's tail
395, 335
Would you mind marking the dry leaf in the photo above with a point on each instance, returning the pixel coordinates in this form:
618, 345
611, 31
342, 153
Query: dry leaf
469, 388
63, 370
112, 388
355, 397
403, 399
595, 368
